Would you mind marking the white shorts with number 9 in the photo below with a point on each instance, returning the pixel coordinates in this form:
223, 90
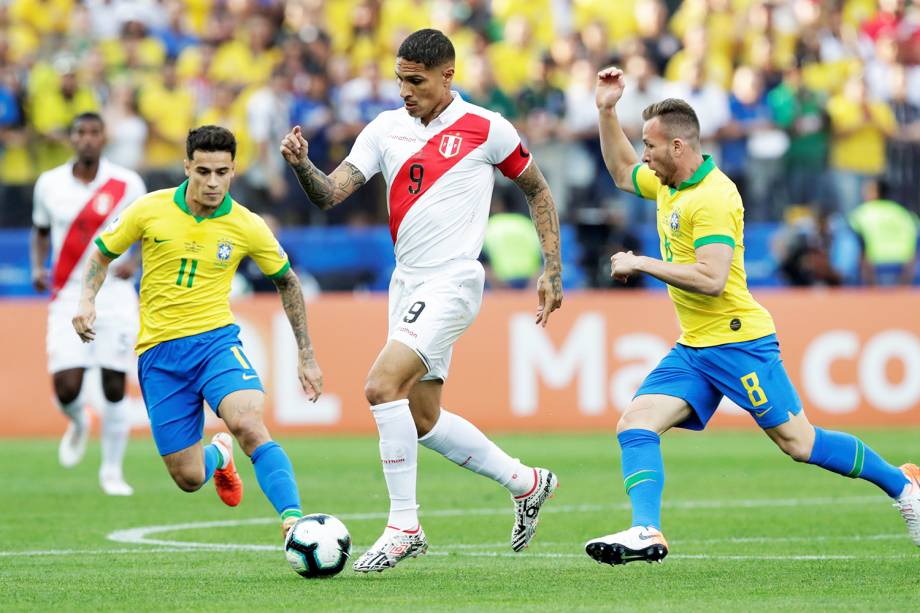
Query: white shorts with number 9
429, 310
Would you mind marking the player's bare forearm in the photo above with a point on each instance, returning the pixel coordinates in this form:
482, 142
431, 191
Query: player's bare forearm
94, 276
39, 246
326, 191
544, 216
698, 277
619, 155
546, 221
292, 300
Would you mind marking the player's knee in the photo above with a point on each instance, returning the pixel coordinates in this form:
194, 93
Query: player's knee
188, 480
67, 386
66, 392
796, 448
635, 417
113, 385
250, 433
379, 390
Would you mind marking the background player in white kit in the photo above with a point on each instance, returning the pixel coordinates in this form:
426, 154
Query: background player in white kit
72, 203
438, 154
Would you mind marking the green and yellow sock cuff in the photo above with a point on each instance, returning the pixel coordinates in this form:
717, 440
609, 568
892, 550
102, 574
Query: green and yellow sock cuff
291, 513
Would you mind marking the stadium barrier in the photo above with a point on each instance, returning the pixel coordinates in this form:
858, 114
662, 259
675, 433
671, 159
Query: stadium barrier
853, 355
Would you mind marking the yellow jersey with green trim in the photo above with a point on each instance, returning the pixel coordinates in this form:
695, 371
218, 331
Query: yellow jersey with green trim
188, 261
705, 209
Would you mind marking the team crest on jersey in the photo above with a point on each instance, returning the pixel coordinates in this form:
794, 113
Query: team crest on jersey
450, 145
675, 222
224, 251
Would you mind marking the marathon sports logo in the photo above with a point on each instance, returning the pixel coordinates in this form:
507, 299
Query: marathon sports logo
393, 460
450, 145
408, 331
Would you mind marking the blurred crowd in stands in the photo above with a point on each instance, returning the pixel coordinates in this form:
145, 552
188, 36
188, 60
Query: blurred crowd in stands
808, 105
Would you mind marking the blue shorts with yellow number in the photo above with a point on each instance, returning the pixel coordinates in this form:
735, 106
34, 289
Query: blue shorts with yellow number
750, 373
177, 375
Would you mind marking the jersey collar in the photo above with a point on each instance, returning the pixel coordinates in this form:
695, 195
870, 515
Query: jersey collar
705, 168
179, 199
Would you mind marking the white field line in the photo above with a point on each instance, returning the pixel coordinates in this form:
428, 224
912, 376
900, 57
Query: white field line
141, 535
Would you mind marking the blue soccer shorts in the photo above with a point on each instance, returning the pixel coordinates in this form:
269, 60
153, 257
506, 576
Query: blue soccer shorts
177, 376
750, 373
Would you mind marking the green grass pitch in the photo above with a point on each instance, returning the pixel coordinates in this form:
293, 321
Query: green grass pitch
749, 530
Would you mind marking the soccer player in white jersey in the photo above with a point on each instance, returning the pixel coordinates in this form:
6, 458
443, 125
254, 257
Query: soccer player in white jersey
438, 154
72, 203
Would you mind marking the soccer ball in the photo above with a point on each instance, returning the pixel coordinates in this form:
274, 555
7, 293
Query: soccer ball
318, 545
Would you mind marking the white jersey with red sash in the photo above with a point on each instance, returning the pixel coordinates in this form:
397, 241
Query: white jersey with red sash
76, 212
439, 177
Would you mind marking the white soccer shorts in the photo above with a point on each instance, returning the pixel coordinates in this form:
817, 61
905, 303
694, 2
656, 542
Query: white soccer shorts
116, 333
430, 309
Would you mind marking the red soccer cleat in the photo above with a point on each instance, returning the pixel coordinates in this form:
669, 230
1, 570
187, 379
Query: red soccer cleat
227, 480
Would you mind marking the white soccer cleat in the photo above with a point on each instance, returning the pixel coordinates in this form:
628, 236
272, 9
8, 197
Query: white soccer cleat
113, 483
392, 547
527, 508
908, 503
73, 445
637, 543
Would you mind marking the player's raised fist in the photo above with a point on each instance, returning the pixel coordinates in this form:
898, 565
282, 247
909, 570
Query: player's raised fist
609, 87
294, 147
622, 265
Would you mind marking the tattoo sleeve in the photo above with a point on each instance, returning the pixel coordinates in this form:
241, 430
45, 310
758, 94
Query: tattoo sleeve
292, 299
326, 191
545, 218
94, 276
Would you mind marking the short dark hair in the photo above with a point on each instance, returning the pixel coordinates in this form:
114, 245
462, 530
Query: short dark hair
427, 47
678, 118
88, 116
210, 138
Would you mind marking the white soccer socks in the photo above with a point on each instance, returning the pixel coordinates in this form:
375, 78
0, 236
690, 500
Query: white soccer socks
399, 456
115, 430
463, 444
73, 444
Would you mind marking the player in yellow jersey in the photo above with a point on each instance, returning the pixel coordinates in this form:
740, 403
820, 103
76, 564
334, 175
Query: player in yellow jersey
728, 344
193, 238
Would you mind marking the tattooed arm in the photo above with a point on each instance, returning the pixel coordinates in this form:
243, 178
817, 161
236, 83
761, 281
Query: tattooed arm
324, 191
546, 221
93, 277
311, 377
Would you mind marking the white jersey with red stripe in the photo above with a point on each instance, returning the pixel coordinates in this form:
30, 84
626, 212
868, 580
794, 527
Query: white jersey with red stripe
75, 212
439, 177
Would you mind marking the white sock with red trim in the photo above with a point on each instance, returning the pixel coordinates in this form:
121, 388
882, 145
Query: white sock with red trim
399, 456
463, 444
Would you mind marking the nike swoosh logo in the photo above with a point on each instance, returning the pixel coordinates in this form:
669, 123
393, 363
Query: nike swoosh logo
645, 537
161, 240
248, 377
523, 152
762, 413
